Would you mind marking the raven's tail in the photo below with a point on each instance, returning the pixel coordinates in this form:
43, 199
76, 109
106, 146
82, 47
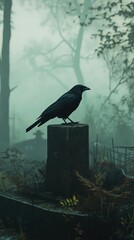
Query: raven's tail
33, 125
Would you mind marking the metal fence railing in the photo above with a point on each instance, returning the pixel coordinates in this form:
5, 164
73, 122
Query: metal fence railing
121, 156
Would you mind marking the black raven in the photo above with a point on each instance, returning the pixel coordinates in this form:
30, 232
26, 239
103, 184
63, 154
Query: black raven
63, 107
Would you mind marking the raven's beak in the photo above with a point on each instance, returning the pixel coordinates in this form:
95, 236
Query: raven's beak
86, 88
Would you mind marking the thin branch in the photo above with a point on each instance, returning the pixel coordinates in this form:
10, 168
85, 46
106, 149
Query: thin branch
54, 65
52, 49
12, 89
65, 40
113, 91
121, 81
60, 33
56, 78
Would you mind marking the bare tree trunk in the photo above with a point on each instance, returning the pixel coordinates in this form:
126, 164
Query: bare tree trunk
76, 60
0, 67
5, 91
77, 57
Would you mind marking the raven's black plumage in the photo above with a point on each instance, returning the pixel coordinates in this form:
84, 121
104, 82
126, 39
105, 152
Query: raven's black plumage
63, 107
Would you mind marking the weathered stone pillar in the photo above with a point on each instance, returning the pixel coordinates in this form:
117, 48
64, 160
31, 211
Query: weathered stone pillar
68, 151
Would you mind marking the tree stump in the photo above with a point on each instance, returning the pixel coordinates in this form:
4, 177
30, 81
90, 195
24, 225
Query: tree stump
68, 151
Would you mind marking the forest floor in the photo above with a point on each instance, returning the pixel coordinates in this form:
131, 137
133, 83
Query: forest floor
109, 196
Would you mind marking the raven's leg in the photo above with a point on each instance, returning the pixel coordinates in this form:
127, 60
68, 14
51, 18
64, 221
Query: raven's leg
64, 119
71, 121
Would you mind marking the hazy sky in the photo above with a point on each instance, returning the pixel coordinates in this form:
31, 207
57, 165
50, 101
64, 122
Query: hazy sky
34, 92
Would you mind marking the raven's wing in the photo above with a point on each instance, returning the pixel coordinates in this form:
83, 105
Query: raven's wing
64, 106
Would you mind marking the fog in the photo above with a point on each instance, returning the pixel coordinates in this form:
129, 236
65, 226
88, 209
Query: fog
35, 33
36, 91
82, 174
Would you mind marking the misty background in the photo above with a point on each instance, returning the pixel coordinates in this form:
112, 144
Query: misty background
57, 44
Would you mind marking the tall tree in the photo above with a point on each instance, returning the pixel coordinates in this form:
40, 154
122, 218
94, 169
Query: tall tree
72, 55
116, 35
5, 91
1, 11
116, 46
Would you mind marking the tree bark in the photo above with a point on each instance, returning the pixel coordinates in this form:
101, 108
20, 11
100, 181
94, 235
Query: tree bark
76, 60
77, 57
5, 91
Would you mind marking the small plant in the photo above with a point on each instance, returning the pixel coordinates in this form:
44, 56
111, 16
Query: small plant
69, 202
21, 235
18, 174
99, 180
79, 232
127, 225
